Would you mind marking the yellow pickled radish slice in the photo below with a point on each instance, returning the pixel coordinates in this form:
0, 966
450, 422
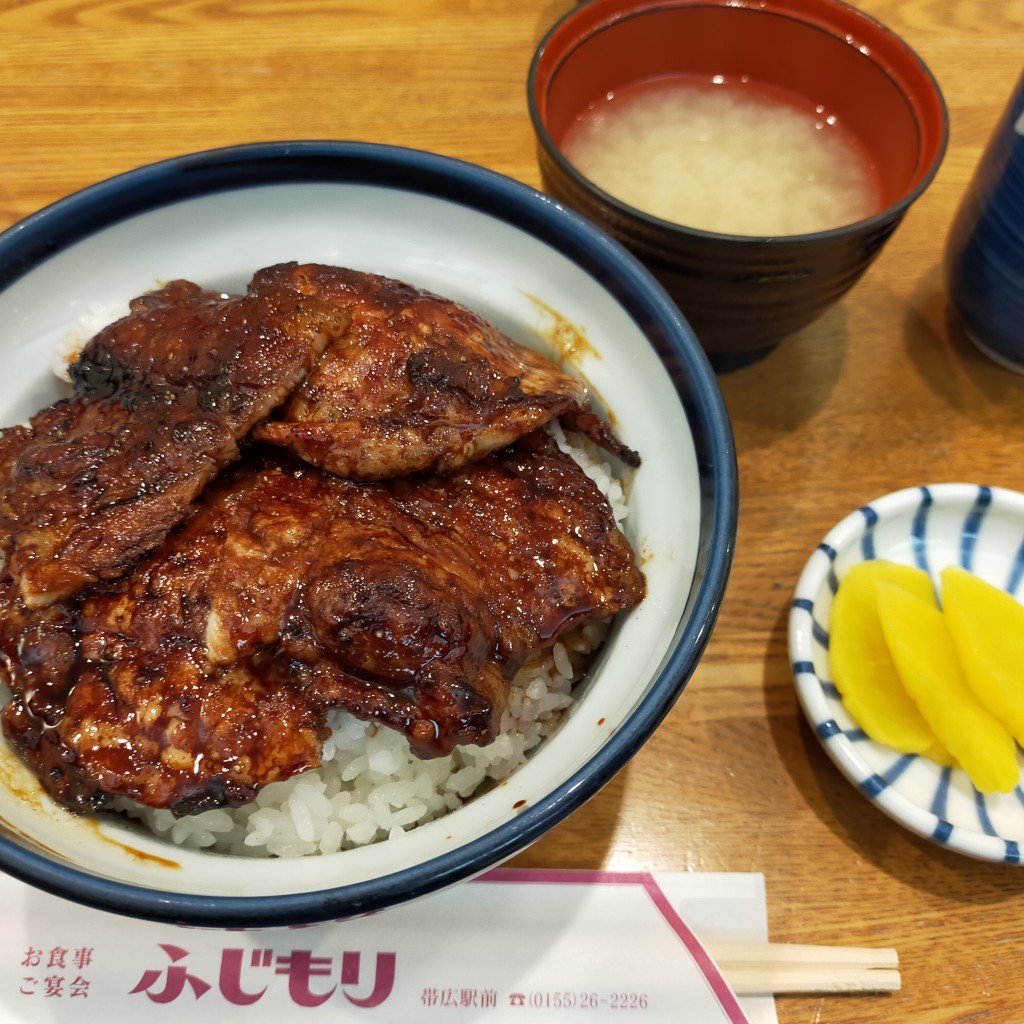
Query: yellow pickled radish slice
862, 667
987, 626
930, 669
940, 755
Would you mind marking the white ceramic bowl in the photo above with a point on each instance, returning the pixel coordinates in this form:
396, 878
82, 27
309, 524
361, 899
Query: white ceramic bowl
978, 528
529, 266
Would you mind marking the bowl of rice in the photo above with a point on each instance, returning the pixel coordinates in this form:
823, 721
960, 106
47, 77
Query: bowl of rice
755, 156
376, 825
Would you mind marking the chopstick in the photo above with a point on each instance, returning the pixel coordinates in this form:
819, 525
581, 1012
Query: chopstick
788, 968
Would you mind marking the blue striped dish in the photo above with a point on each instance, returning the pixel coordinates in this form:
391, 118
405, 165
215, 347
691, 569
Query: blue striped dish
979, 528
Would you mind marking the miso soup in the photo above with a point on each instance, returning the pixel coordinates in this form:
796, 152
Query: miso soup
733, 158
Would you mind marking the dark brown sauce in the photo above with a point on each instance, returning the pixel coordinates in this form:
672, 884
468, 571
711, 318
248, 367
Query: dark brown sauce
571, 344
140, 855
15, 779
645, 555
6, 825
568, 339
30, 791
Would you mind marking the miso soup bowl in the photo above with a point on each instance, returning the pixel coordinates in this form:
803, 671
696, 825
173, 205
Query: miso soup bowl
537, 271
743, 294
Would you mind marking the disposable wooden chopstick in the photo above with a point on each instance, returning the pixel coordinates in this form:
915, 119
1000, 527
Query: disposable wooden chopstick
779, 968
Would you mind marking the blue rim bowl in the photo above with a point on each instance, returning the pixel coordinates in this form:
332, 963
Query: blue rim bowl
54, 244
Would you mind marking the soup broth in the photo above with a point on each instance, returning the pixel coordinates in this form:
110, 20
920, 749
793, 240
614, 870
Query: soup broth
731, 157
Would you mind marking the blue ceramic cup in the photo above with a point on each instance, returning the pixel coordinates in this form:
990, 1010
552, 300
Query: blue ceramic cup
985, 250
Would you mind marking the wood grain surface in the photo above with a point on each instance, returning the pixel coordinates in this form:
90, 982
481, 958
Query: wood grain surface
883, 392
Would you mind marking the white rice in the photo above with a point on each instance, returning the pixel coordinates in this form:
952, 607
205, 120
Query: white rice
371, 787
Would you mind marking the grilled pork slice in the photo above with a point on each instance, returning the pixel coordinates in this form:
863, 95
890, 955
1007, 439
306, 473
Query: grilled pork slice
207, 673
161, 399
417, 383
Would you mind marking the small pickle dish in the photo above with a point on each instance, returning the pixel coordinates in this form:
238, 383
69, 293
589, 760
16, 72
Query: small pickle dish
930, 528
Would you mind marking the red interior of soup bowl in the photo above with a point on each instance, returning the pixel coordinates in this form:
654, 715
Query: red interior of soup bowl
832, 55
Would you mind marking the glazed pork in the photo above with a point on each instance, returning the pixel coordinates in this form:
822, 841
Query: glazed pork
207, 672
330, 492
161, 400
417, 382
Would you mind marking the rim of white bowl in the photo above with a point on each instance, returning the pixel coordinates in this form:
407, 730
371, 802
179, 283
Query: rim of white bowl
56, 227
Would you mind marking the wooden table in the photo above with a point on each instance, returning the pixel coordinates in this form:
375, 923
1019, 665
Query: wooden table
883, 392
